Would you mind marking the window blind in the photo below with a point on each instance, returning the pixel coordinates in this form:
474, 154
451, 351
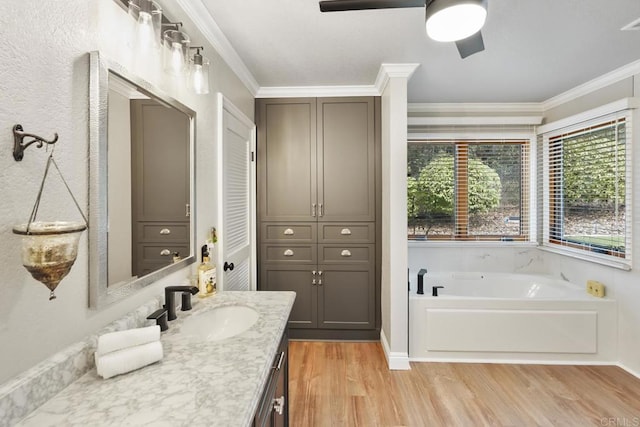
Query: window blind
469, 189
587, 186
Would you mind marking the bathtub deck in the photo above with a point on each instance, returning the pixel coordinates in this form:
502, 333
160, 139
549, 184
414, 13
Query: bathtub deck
348, 384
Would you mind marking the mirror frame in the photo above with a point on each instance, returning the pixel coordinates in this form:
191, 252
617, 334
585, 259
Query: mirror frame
100, 294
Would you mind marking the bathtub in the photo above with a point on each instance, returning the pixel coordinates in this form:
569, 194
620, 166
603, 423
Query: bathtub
517, 318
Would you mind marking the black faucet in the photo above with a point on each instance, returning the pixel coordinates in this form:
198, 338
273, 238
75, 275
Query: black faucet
421, 274
434, 290
160, 316
169, 299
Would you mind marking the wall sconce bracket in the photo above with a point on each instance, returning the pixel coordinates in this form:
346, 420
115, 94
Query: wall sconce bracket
19, 145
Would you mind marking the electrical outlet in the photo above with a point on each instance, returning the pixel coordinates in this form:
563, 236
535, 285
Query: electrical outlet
595, 288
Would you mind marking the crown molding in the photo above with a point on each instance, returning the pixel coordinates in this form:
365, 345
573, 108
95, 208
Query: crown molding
388, 71
316, 91
475, 121
605, 80
201, 16
507, 107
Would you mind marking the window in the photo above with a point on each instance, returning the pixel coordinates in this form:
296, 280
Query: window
468, 190
588, 187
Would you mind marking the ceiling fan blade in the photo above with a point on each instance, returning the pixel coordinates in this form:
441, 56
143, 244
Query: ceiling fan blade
342, 5
470, 45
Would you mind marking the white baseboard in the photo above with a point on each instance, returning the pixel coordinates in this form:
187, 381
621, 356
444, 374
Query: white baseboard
629, 370
397, 361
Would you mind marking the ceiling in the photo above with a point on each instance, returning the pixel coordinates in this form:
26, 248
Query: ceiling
535, 49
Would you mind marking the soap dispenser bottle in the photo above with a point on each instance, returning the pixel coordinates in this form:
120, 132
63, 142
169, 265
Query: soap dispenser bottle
206, 275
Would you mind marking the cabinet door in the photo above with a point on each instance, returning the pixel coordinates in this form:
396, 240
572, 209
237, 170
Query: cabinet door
346, 159
346, 297
160, 162
297, 278
287, 159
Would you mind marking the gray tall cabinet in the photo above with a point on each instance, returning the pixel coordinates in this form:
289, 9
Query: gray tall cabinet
318, 207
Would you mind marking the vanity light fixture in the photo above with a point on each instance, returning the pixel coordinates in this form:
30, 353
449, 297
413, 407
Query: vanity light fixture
176, 52
199, 78
453, 20
148, 17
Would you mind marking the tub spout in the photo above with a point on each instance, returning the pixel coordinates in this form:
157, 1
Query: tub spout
434, 290
421, 274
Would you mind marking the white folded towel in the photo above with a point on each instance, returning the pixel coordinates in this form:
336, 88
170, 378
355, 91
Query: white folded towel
115, 341
128, 359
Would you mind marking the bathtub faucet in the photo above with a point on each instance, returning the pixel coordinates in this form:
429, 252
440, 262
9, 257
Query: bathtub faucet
421, 274
434, 290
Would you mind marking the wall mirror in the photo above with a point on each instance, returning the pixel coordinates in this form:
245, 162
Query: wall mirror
142, 179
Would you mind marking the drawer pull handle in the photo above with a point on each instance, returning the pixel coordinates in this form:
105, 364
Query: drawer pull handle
165, 231
345, 253
288, 252
288, 232
345, 232
165, 252
278, 405
278, 365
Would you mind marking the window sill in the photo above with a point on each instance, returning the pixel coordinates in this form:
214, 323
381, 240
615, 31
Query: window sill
467, 244
589, 257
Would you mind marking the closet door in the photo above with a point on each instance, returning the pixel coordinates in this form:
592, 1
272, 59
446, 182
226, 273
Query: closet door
346, 159
287, 159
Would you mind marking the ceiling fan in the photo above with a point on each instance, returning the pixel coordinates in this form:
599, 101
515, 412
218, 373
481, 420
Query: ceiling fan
459, 21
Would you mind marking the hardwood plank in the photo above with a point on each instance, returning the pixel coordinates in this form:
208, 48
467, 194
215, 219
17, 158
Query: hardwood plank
348, 384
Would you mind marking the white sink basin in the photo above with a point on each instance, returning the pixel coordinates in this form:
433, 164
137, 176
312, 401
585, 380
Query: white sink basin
219, 323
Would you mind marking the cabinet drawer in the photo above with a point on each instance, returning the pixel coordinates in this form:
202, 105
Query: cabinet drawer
163, 232
346, 254
353, 233
160, 252
289, 253
292, 232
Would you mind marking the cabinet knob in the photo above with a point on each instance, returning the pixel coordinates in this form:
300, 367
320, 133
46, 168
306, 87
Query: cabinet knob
345, 253
345, 232
165, 252
165, 231
288, 252
288, 232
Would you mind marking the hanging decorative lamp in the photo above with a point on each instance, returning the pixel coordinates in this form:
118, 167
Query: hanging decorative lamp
49, 248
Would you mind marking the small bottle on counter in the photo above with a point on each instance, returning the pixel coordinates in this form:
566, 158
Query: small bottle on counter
206, 275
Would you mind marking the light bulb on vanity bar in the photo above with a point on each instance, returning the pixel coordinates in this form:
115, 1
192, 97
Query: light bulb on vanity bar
199, 78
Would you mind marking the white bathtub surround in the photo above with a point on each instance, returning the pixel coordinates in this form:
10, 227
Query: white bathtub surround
29, 390
510, 318
197, 383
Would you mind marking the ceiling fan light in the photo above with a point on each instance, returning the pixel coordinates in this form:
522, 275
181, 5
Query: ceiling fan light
453, 20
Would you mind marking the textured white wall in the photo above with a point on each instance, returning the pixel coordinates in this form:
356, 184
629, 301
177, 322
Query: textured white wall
44, 78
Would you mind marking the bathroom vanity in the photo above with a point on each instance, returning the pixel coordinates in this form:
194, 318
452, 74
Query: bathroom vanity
236, 381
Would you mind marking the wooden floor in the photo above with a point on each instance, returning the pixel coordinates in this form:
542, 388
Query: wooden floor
348, 384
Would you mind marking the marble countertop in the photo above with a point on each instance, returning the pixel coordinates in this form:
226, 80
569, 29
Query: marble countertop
196, 384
